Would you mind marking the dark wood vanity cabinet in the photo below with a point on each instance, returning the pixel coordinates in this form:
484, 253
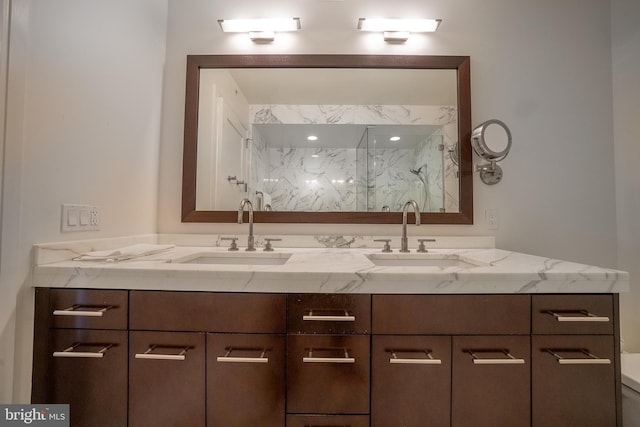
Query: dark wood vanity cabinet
80, 354
232, 367
576, 361
464, 359
232, 359
328, 354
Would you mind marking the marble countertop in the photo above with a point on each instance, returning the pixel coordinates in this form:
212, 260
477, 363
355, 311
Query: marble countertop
468, 269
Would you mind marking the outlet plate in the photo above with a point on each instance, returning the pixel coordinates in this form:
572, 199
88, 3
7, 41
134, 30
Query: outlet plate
79, 218
492, 219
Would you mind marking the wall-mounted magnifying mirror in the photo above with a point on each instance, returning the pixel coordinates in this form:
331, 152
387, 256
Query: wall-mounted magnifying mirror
492, 141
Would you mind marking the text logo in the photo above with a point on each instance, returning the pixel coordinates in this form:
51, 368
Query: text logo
34, 415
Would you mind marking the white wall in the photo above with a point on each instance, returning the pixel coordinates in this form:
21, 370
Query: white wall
84, 111
544, 67
626, 111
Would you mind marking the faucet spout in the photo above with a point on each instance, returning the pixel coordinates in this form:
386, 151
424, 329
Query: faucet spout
250, 240
404, 241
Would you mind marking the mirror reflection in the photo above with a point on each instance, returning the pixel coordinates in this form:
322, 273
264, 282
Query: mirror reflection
327, 140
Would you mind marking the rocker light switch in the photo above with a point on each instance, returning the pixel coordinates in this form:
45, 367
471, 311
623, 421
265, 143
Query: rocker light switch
80, 218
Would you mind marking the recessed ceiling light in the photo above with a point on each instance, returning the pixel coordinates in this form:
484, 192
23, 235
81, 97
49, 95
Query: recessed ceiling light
394, 138
312, 138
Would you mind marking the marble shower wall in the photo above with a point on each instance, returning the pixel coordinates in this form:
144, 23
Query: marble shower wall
293, 180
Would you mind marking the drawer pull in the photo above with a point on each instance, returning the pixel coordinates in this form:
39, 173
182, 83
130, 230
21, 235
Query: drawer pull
182, 355
590, 359
311, 359
509, 360
89, 310
329, 318
429, 360
69, 351
235, 359
584, 316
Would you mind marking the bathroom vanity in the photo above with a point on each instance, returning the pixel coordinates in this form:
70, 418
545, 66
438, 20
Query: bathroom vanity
328, 337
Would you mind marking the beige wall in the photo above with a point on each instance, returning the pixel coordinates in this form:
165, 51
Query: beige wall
626, 111
83, 125
544, 67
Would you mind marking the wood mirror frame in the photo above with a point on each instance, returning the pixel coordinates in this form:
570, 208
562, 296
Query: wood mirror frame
197, 62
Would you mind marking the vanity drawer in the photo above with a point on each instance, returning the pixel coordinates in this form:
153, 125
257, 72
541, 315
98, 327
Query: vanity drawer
572, 314
328, 374
451, 314
327, 421
88, 308
205, 311
328, 314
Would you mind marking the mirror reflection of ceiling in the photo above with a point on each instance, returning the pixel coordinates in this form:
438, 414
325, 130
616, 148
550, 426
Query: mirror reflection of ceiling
347, 86
343, 136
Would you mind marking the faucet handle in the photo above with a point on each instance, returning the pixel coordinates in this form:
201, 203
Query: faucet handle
421, 247
267, 246
233, 246
387, 246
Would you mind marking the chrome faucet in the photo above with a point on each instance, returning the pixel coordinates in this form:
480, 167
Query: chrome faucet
243, 203
404, 242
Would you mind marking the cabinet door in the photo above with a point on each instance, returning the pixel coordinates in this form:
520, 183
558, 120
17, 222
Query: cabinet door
328, 374
410, 381
245, 380
573, 381
491, 381
89, 372
166, 379
327, 421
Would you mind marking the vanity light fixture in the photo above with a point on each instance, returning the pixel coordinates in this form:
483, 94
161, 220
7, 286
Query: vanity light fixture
398, 30
492, 141
260, 30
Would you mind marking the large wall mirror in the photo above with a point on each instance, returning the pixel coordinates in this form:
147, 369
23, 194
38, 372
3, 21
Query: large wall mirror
327, 138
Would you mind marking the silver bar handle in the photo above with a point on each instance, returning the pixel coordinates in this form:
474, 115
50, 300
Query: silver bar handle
311, 359
159, 356
585, 316
591, 358
74, 311
509, 360
70, 353
235, 359
429, 360
329, 318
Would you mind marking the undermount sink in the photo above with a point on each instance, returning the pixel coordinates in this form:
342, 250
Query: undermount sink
419, 260
235, 258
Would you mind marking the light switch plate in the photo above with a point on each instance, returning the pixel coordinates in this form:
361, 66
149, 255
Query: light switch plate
80, 218
492, 219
